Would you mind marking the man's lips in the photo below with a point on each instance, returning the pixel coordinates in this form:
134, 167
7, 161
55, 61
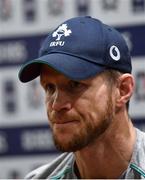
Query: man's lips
65, 122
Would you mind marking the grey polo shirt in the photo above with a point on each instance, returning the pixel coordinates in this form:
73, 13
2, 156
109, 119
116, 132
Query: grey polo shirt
63, 166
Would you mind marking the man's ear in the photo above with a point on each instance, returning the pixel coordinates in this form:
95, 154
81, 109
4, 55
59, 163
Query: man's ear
125, 88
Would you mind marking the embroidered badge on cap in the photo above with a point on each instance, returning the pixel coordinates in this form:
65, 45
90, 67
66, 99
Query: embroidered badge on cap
114, 53
61, 31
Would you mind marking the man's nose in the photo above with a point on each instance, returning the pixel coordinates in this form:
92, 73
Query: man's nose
60, 101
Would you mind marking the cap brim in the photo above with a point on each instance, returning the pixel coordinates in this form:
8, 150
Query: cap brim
71, 66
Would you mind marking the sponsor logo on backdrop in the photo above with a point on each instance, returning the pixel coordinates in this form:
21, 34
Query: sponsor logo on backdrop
6, 10
83, 7
3, 143
140, 86
56, 7
12, 52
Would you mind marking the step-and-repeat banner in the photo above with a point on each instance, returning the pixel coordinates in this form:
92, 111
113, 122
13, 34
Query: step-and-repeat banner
25, 136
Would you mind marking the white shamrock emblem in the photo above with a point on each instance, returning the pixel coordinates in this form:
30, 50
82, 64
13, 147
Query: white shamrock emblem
61, 31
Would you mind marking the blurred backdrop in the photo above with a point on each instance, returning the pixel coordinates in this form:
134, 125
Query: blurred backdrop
25, 136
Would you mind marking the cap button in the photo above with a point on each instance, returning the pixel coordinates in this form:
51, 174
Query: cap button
88, 16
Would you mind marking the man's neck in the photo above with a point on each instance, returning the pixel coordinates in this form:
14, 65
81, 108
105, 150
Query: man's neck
110, 154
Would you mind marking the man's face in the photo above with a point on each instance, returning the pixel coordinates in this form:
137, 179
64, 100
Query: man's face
79, 112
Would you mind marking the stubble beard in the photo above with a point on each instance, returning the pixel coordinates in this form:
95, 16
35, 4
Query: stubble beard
88, 134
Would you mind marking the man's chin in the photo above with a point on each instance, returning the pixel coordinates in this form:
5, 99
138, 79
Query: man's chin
67, 145
67, 148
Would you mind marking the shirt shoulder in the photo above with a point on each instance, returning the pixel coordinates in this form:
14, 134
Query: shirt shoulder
137, 165
61, 166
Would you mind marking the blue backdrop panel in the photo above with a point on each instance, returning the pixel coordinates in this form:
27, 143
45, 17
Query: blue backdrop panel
26, 141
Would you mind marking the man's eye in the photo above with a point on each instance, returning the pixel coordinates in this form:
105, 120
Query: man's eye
50, 88
75, 84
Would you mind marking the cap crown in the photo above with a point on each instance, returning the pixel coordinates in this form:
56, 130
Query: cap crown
91, 40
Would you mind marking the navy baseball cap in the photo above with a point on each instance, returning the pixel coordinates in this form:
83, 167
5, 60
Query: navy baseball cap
80, 48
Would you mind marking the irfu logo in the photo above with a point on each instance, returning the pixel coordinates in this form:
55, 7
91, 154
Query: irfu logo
61, 31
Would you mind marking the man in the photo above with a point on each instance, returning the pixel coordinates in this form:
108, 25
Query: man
85, 70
